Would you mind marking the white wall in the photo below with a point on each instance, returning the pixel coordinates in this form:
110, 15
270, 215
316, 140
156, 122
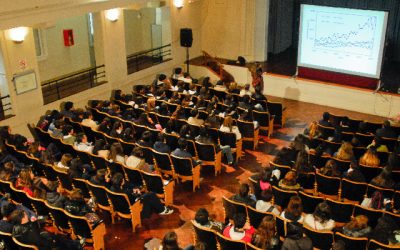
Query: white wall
61, 59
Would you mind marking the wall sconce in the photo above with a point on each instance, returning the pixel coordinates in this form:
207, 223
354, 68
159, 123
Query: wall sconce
178, 4
18, 34
112, 14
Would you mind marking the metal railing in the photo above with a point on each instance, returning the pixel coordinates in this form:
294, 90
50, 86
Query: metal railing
67, 85
217, 67
5, 107
148, 58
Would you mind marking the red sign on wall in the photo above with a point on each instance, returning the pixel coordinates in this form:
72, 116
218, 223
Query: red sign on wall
68, 37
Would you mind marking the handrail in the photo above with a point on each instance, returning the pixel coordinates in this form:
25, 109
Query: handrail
222, 73
147, 51
62, 77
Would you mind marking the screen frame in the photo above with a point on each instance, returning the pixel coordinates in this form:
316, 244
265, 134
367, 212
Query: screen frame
381, 49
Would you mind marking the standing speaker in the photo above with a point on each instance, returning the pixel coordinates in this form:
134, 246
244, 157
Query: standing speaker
186, 37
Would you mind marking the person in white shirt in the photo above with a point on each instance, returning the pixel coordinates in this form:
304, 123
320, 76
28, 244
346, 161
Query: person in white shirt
264, 204
88, 120
82, 143
245, 91
135, 160
177, 74
228, 127
64, 163
321, 218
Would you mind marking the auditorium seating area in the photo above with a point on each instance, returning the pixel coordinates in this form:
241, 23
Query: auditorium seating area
213, 180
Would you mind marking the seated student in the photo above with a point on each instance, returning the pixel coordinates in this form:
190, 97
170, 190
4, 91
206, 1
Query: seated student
194, 119
245, 91
330, 169
20, 142
182, 152
265, 236
161, 145
5, 224
244, 196
302, 164
227, 126
101, 148
245, 103
321, 218
28, 232
289, 181
82, 143
64, 164
68, 135
117, 129
169, 242
105, 126
88, 120
294, 210
325, 120
116, 153
247, 117
151, 203
136, 160
263, 182
384, 179
68, 110
128, 135
384, 231
345, 124
54, 197
202, 218
146, 140
258, 96
163, 109
312, 132
76, 205
145, 120
264, 204
378, 144
24, 181
354, 173
170, 128
203, 137
370, 158
57, 132
295, 239
357, 227
386, 131
8, 172
102, 177
240, 230
345, 152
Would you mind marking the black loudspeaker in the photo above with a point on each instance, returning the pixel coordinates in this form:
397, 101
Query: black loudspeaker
186, 37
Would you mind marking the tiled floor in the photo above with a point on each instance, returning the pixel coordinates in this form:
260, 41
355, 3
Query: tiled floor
119, 235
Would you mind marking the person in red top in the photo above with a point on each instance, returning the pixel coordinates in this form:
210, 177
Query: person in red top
258, 79
240, 230
24, 181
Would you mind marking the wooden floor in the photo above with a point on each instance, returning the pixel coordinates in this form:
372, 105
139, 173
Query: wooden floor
119, 235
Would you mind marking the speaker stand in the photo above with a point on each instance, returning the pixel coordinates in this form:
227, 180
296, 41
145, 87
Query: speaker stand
187, 59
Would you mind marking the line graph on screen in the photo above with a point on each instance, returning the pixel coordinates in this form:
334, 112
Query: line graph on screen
343, 33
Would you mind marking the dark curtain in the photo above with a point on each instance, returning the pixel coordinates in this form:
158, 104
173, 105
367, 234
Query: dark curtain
284, 20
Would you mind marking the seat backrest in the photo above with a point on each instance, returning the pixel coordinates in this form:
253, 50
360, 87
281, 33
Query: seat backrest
21, 246
120, 202
386, 192
369, 172
134, 176
182, 166
205, 152
282, 197
81, 184
327, 185
374, 245
21, 197
276, 109
99, 193
310, 202
64, 179
281, 226
229, 244
99, 162
396, 200
39, 206
127, 147
342, 165
364, 139
306, 180
154, 182
60, 219
352, 242
232, 207
353, 191
256, 216
341, 212
283, 168
227, 138
326, 131
7, 242
80, 225
373, 126
171, 140
163, 160
205, 235
262, 118
320, 239
246, 128
147, 154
